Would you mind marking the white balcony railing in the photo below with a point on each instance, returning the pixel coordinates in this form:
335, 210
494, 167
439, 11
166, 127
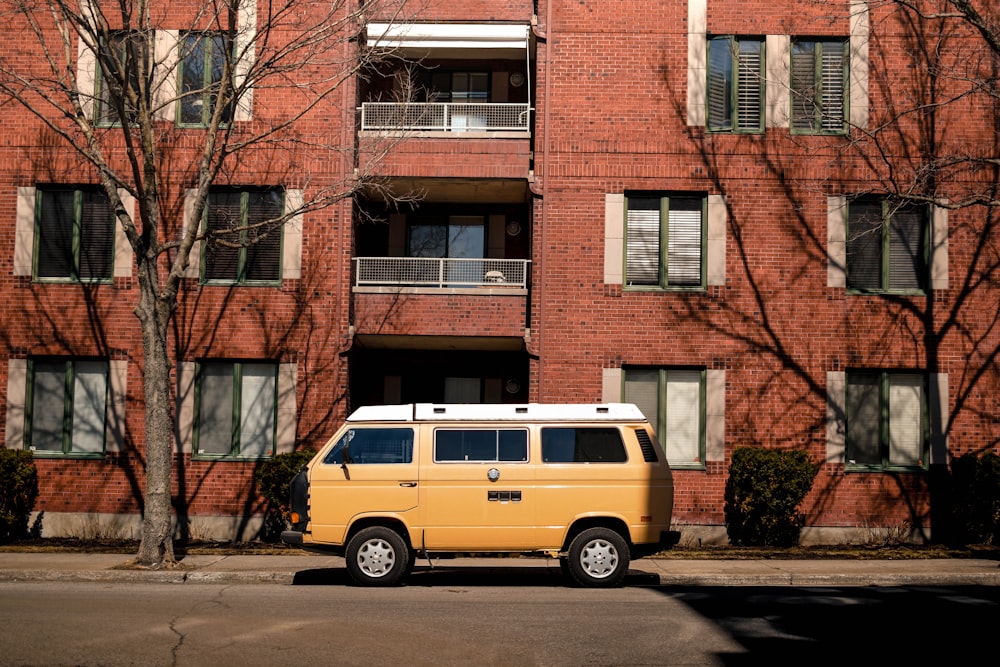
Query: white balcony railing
445, 117
440, 272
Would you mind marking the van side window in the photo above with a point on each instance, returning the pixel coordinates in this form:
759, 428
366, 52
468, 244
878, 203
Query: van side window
373, 445
582, 445
482, 445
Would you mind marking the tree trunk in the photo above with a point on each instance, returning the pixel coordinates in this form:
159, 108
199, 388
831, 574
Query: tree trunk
157, 546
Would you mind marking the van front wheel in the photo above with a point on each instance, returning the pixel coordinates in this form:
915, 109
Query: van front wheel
598, 558
377, 556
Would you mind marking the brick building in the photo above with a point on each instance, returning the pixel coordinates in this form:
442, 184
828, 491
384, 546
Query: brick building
669, 203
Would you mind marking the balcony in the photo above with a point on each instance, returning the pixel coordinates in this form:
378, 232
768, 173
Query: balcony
433, 273
445, 117
449, 100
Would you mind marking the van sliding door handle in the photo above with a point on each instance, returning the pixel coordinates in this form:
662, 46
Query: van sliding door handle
408, 485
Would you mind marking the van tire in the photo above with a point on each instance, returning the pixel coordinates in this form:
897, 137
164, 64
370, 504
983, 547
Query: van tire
377, 556
598, 558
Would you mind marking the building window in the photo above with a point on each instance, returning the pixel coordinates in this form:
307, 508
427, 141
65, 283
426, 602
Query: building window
735, 85
886, 420
458, 236
118, 73
67, 407
819, 87
664, 240
236, 409
886, 246
460, 87
455, 237
202, 65
673, 402
75, 239
243, 229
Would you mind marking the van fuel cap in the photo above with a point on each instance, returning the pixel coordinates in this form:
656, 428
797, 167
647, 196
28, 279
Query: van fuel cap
493, 474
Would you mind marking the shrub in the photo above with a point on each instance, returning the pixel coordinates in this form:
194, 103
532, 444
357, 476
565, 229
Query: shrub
764, 490
18, 490
275, 475
975, 490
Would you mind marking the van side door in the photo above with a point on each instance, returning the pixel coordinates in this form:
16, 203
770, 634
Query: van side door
478, 490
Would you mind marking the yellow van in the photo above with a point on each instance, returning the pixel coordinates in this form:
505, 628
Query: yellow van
588, 484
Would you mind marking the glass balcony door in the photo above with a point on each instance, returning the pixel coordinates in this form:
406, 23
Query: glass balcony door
460, 89
462, 237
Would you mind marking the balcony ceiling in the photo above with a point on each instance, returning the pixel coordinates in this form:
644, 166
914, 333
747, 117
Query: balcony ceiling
455, 343
491, 41
461, 190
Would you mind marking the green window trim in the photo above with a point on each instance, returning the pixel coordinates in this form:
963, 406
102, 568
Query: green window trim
236, 410
735, 86
121, 56
665, 395
250, 252
887, 421
74, 239
202, 65
819, 86
887, 247
66, 408
665, 241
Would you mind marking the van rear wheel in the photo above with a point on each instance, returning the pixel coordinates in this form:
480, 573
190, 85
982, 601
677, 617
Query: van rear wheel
377, 556
598, 558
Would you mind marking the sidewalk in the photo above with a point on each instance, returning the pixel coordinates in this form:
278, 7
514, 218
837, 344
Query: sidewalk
313, 569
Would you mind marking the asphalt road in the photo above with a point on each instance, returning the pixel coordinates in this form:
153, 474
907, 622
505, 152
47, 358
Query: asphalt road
446, 618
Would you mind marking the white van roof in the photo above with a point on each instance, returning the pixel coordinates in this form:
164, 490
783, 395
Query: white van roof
520, 412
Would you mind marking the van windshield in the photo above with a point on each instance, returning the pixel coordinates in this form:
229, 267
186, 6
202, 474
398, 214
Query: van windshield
372, 445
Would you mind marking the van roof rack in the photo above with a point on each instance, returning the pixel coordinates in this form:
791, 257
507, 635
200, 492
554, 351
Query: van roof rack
550, 412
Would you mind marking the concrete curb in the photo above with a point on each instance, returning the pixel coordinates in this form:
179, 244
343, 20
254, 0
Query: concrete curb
309, 569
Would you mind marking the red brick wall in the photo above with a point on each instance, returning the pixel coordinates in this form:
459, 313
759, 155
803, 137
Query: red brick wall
611, 117
440, 314
614, 97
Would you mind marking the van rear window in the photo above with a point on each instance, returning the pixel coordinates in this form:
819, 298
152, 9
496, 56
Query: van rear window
373, 445
582, 445
481, 445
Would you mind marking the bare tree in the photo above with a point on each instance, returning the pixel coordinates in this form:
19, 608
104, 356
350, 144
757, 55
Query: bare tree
111, 81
